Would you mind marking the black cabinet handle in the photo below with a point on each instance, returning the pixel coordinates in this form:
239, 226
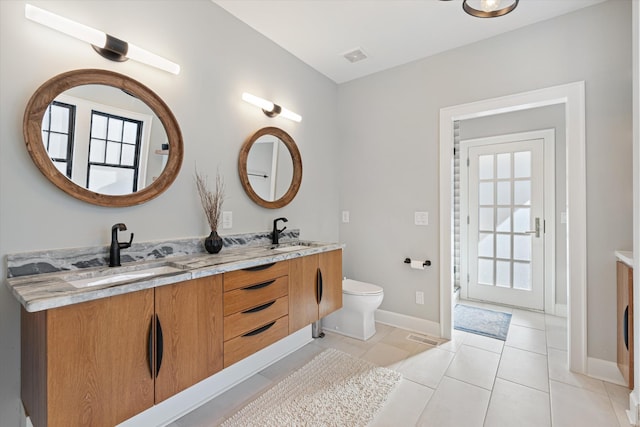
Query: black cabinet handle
259, 267
319, 286
259, 330
259, 285
626, 327
159, 345
150, 347
259, 308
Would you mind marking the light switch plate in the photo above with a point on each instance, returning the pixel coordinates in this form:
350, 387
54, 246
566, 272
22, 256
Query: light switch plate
227, 220
421, 218
345, 216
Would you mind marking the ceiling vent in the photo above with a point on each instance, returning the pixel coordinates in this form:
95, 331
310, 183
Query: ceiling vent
355, 55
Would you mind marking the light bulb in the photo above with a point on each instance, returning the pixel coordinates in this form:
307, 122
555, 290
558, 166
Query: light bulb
490, 5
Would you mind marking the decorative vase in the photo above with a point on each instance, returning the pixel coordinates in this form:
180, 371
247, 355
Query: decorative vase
213, 243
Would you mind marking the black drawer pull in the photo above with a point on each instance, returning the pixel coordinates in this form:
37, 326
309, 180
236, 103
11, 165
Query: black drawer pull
259, 285
259, 330
150, 349
259, 308
259, 267
626, 327
159, 345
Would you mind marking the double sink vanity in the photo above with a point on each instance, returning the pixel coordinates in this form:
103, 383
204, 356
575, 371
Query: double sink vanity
100, 345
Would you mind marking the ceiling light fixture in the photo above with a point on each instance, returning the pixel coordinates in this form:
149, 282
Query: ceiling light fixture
106, 45
489, 8
269, 108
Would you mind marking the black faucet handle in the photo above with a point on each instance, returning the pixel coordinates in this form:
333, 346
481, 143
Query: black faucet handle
280, 231
126, 245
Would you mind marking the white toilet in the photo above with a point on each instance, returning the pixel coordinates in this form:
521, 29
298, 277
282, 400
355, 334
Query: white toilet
356, 317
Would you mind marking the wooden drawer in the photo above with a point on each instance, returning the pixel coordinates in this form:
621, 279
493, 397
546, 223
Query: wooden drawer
255, 294
262, 273
245, 345
245, 321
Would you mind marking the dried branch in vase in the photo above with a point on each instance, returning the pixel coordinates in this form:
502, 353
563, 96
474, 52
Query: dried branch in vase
211, 201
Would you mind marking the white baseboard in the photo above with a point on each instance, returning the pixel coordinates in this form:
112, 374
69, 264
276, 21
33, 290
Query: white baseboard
604, 370
410, 323
634, 409
186, 401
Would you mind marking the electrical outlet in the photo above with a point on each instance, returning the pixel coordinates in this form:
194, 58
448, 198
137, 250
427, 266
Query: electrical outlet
419, 297
345, 216
227, 220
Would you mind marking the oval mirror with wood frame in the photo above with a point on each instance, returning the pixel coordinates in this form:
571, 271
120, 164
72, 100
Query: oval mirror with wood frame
270, 175
126, 158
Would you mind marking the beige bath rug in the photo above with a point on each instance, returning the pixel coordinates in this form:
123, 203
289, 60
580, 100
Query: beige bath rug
334, 389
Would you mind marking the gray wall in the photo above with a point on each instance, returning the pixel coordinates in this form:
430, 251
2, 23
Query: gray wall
529, 120
220, 58
390, 151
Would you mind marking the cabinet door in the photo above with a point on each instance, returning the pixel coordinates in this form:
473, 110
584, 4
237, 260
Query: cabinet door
98, 361
330, 267
303, 303
625, 321
189, 315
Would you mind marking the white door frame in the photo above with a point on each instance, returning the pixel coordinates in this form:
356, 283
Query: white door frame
548, 137
572, 96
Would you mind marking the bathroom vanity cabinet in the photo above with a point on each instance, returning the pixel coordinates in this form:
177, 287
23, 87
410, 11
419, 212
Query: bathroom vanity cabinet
104, 361
316, 288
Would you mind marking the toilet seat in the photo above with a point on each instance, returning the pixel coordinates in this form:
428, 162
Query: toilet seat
353, 287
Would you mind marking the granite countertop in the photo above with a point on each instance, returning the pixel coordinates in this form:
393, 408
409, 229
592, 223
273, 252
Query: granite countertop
626, 257
50, 290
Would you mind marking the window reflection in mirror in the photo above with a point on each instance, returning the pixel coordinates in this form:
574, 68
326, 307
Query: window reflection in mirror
104, 139
269, 167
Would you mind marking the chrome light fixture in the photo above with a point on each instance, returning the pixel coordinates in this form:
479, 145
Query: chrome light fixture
106, 45
489, 8
269, 108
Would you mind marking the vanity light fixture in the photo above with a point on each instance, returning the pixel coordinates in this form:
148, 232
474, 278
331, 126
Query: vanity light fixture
106, 45
488, 8
269, 108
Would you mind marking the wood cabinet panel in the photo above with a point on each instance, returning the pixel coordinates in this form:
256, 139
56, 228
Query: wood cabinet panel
96, 356
330, 264
308, 301
242, 322
190, 316
255, 294
625, 321
303, 298
241, 278
245, 345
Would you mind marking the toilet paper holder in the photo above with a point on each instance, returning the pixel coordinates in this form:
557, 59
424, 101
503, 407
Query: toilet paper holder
426, 263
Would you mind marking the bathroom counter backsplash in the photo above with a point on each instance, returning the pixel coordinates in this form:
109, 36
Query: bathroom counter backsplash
40, 280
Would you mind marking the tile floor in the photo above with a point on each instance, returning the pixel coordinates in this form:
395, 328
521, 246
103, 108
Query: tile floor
469, 381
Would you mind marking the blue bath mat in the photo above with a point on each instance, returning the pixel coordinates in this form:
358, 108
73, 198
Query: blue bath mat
493, 324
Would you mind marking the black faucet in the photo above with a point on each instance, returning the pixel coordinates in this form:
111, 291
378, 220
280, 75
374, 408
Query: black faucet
275, 234
114, 251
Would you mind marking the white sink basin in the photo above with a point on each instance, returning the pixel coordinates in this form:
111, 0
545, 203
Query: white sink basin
122, 277
291, 248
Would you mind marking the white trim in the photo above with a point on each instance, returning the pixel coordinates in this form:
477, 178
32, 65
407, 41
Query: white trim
549, 143
186, 401
560, 310
572, 96
410, 323
605, 370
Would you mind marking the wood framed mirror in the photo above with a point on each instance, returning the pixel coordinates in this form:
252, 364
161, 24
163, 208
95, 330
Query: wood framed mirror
270, 175
148, 153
